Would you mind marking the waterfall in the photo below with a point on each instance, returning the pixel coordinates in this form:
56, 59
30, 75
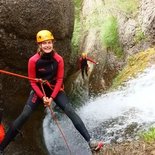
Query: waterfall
114, 116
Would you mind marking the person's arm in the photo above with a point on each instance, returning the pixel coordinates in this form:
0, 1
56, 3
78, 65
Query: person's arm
59, 76
89, 59
32, 74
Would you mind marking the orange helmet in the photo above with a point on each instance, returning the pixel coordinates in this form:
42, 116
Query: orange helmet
44, 35
84, 54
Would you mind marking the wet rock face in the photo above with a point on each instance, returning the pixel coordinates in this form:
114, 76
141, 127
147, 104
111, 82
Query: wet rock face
21, 20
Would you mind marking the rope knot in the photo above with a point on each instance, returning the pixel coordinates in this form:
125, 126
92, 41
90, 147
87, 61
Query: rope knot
41, 81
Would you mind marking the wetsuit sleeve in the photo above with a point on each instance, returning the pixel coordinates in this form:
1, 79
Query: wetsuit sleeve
59, 78
91, 60
32, 74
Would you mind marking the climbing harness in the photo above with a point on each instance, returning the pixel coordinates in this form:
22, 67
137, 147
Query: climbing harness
51, 111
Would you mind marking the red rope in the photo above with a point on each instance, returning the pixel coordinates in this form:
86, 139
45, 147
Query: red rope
18, 75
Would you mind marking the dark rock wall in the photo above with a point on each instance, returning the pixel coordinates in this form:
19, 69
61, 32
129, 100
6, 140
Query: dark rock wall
21, 20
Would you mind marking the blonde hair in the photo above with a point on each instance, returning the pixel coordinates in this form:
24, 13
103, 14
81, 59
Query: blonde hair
40, 51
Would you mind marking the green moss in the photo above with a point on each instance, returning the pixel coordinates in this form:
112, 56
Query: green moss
76, 35
129, 7
148, 136
109, 35
135, 64
77, 26
78, 5
139, 36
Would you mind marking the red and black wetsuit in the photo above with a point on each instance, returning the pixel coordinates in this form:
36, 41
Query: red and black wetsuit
84, 65
47, 67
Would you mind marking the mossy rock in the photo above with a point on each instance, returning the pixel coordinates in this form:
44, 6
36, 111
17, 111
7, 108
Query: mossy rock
135, 64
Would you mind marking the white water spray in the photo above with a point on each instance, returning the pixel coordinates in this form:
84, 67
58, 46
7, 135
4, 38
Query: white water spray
109, 115
139, 94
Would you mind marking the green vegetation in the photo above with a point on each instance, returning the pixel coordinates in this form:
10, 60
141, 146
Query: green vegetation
101, 17
139, 36
135, 64
129, 7
76, 35
148, 136
78, 5
77, 25
109, 35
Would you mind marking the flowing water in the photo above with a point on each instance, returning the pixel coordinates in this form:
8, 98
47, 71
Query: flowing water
113, 117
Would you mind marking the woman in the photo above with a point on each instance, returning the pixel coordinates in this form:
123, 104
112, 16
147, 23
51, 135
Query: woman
48, 65
83, 63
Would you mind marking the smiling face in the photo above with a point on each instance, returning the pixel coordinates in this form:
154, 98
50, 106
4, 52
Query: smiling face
46, 46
